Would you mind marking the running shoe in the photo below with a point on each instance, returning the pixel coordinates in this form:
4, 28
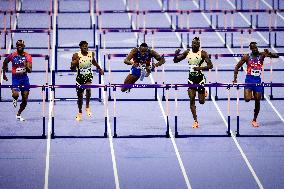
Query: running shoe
20, 118
79, 117
254, 123
89, 113
195, 125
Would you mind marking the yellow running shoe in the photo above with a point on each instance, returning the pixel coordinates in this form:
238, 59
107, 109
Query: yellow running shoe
195, 125
89, 113
79, 117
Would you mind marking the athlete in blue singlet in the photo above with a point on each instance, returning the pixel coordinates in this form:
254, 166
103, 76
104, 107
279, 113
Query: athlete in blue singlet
140, 59
254, 62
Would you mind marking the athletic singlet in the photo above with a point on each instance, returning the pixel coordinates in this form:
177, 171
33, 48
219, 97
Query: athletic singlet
254, 65
143, 59
194, 60
18, 63
85, 63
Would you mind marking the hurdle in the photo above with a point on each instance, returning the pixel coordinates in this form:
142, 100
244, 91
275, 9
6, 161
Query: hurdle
28, 31
43, 114
237, 132
11, 13
76, 12
144, 86
53, 87
107, 69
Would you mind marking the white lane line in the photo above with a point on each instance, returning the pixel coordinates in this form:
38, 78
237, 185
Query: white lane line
51, 100
113, 158
181, 165
269, 6
282, 58
223, 117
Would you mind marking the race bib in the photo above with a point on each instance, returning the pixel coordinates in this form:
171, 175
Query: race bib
191, 68
84, 71
255, 72
21, 70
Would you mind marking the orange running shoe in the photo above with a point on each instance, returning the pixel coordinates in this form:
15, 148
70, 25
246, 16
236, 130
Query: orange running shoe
195, 125
89, 113
79, 117
254, 123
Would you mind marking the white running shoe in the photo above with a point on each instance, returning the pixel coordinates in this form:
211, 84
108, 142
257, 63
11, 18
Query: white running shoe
15, 103
20, 118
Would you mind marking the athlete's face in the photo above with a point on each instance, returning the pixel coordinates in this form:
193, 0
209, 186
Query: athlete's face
20, 46
195, 44
143, 49
84, 48
254, 49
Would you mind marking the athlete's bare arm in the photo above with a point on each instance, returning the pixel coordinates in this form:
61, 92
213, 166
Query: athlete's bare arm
74, 62
130, 56
243, 60
266, 53
94, 62
4, 68
179, 57
160, 59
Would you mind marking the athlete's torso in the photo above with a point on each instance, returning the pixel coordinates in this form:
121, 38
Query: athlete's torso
143, 58
85, 63
254, 65
18, 63
194, 60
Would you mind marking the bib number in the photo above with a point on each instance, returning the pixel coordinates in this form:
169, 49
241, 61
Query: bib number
85, 71
191, 69
255, 72
21, 70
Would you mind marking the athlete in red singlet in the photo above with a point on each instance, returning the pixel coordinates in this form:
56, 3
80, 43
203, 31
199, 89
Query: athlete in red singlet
254, 62
21, 65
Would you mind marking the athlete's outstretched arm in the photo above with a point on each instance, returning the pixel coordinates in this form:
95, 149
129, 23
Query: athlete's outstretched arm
129, 57
243, 60
5, 67
74, 62
179, 57
266, 53
94, 62
159, 58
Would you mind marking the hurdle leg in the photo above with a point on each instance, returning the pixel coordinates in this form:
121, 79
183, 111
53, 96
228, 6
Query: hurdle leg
105, 111
238, 117
114, 113
229, 116
167, 113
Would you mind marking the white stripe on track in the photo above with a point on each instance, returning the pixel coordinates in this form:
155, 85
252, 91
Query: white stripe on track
220, 112
110, 137
51, 99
